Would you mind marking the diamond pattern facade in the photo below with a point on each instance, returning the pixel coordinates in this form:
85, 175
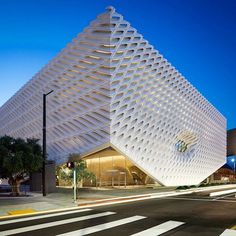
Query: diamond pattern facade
112, 88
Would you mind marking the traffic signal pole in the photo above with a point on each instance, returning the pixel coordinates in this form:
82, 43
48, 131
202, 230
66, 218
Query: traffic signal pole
75, 184
72, 165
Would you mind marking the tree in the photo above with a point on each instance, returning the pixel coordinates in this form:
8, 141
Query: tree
82, 172
64, 175
18, 158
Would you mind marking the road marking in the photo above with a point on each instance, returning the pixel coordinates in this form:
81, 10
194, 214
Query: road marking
21, 212
213, 194
199, 199
55, 223
160, 229
223, 196
231, 198
225, 201
191, 199
97, 228
42, 216
229, 232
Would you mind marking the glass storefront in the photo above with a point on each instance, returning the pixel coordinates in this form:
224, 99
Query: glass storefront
113, 169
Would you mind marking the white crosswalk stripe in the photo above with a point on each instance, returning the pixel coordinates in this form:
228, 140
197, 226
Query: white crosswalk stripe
97, 228
42, 216
229, 232
56, 223
160, 229
153, 231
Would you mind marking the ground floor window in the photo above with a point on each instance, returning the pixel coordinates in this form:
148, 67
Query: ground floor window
113, 169
109, 169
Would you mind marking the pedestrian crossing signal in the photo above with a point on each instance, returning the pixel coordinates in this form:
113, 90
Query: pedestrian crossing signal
70, 165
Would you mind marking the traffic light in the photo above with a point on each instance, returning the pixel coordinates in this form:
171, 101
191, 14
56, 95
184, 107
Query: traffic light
70, 165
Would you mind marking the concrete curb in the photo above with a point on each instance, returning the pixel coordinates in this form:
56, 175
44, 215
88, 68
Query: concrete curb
111, 201
132, 198
219, 193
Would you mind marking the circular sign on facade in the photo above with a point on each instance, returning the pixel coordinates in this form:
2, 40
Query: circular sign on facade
185, 141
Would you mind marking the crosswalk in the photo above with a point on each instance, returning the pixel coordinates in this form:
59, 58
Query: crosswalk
54, 223
43, 216
104, 226
160, 229
89, 221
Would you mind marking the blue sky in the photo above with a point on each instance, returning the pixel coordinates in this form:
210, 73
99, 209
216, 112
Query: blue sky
197, 36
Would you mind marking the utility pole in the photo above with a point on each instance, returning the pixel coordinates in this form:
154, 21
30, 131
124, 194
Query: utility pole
44, 143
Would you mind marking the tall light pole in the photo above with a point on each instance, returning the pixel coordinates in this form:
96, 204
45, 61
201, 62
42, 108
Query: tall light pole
233, 160
44, 143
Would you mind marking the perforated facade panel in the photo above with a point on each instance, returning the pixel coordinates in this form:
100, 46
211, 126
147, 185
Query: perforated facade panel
111, 87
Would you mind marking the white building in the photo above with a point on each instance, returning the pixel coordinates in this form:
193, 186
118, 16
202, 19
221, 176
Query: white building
116, 97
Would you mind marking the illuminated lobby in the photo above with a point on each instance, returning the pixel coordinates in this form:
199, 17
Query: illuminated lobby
114, 170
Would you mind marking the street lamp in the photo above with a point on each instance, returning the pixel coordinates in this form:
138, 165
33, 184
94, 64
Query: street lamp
44, 143
233, 160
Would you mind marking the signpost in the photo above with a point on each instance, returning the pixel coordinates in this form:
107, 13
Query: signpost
72, 165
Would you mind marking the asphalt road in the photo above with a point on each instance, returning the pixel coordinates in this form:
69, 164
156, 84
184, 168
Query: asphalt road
185, 215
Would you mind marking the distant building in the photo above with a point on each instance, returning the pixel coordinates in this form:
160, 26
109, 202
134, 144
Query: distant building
225, 174
123, 107
231, 142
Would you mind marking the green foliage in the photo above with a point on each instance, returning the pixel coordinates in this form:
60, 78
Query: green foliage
211, 184
202, 185
13, 164
193, 186
64, 174
82, 172
19, 157
186, 187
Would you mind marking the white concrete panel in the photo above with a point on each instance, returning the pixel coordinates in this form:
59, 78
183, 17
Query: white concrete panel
111, 86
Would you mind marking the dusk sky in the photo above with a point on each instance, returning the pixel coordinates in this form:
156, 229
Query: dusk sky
197, 36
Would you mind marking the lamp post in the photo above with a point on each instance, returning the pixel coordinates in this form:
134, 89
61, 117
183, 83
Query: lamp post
44, 143
233, 160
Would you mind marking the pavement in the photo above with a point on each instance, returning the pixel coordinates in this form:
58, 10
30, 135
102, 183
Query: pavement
195, 213
63, 198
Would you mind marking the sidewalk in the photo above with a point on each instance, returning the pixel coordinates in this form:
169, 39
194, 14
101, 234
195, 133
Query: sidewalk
63, 198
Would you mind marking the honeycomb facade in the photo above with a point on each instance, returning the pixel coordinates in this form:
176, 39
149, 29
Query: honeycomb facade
112, 88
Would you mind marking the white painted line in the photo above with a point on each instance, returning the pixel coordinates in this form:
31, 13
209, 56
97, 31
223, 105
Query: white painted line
206, 189
97, 228
222, 192
200, 199
160, 229
149, 196
191, 199
223, 196
225, 201
42, 216
55, 223
229, 232
142, 197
